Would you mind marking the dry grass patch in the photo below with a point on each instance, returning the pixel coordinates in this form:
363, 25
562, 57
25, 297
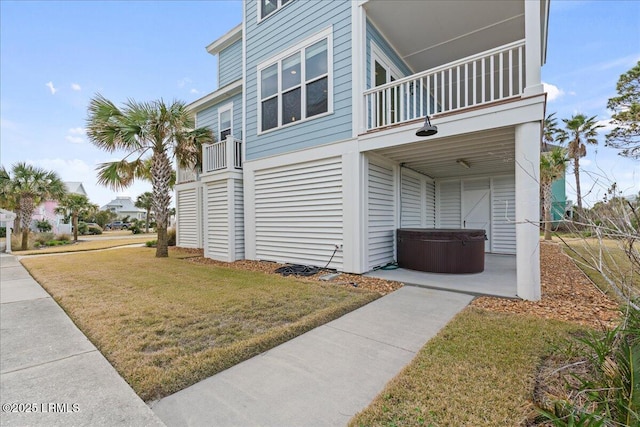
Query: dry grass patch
478, 371
606, 256
165, 323
86, 245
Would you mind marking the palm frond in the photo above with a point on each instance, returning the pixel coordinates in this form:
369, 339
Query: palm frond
118, 175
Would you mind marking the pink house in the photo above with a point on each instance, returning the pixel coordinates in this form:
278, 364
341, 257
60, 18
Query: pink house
47, 210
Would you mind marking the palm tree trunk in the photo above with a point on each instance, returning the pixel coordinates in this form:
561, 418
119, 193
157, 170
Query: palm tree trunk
146, 222
160, 178
27, 206
546, 194
576, 171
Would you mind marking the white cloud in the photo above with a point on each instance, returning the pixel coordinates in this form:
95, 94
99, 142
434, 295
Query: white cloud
51, 88
607, 125
194, 91
75, 135
553, 92
183, 82
74, 139
76, 87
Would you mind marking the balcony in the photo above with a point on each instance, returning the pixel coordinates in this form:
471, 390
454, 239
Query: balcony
222, 156
487, 77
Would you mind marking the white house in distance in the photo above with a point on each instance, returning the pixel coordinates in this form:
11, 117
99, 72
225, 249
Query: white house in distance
124, 206
316, 117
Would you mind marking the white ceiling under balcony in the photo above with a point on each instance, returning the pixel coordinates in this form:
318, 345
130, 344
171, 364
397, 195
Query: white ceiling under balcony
491, 152
430, 33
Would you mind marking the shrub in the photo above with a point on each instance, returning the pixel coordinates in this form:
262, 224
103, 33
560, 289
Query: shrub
16, 241
151, 243
63, 237
57, 242
82, 228
42, 238
43, 226
3, 231
135, 229
94, 229
171, 236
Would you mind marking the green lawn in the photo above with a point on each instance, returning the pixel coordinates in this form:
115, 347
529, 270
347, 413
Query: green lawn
165, 323
478, 371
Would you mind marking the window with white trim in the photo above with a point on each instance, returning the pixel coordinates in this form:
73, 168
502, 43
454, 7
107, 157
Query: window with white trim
267, 7
225, 116
297, 86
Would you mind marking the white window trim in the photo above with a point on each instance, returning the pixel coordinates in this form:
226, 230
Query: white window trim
377, 54
222, 109
278, 8
327, 34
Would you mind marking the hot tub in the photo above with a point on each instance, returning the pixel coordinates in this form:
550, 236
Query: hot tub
438, 250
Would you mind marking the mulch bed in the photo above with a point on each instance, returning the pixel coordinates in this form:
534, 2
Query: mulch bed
381, 286
567, 293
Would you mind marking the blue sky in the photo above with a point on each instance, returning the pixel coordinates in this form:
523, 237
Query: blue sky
55, 55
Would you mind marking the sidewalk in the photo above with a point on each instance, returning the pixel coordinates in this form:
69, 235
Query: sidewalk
49, 371
323, 377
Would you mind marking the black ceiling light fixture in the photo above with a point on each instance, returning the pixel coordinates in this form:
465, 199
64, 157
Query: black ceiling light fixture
428, 129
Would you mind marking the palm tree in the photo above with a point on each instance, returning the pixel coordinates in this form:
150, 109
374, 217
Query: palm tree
153, 129
579, 129
552, 166
28, 187
550, 132
145, 201
75, 205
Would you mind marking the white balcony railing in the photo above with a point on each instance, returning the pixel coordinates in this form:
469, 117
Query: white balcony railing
186, 175
222, 155
486, 77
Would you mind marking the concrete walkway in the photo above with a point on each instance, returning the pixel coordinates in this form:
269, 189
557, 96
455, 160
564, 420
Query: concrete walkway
48, 367
321, 378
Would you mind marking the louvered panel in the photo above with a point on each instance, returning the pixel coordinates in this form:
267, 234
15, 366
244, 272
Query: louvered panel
239, 218
450, 204
430, 205
217, 220
187, 218
504, 215
411, 201
298, 213
381, 215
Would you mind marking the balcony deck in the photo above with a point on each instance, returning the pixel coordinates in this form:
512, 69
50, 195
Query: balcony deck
482, 79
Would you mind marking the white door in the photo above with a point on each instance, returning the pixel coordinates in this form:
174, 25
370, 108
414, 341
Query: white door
476, 212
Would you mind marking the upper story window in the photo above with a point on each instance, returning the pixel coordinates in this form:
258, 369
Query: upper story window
225, 128
297, 85
267, 7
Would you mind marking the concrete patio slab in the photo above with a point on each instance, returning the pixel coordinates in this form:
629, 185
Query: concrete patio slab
497, 279
323, 377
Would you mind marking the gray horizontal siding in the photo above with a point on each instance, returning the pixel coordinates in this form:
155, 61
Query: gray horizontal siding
289, 26
230, 64
209, 116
